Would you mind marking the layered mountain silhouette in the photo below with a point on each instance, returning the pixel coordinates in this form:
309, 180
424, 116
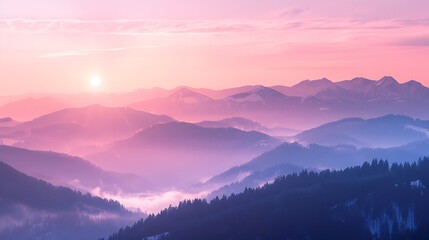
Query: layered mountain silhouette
306, 104
184, 104
290, 157
235, 122
190, 141
305, 88
222, 93
386, 131
385, 87
301, 106
248, 125
262, 104
80, 130
34, 209
74, 172
236, 181
175, 148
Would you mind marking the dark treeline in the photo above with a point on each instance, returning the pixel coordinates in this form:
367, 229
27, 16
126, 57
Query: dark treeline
18, 188
372, 201
34, 209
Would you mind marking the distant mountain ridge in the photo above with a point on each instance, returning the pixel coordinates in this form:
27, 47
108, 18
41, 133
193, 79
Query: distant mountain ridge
235, 122
73, 172
290, 157
386, 131
80, 130
260, 103
306, 104
387, 86
175, 147
247, 125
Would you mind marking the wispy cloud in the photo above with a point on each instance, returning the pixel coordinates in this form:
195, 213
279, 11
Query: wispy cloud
149, 202
418, 41
151, 26
84, 52
245, 49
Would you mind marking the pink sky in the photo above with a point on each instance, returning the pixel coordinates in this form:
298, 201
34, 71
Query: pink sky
57, 45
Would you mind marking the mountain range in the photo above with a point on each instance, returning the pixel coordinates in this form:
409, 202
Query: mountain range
154, 147
80, 130
74, 172
386, 87
175, 147
262, 104
386, 131
305, 105
292, 157
248, 125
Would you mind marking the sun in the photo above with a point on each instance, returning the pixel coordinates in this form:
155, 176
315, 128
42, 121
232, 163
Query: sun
95, 81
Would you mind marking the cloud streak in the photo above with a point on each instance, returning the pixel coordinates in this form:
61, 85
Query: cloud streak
151, 26
85, 52
418, 41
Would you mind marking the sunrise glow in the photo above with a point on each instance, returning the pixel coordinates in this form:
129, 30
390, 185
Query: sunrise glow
145, 44
95, 81
214, 119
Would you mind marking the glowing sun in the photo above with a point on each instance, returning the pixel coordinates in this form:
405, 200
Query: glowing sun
95, 81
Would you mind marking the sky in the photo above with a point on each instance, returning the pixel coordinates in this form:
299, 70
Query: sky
52, 46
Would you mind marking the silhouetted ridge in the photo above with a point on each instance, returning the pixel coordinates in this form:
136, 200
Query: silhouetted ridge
387, 81
181, 132
66, 170
184, 93
387, 131
268, 92
34, 209
16, 187
413, 83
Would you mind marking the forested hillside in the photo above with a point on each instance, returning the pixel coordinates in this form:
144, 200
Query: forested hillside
34, 209
372, 201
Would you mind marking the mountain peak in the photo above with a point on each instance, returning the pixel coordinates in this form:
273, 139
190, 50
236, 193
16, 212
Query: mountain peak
187, 95
387, 81
325, 80
360, 79
318, 82
259, 94
413, 83
266, 91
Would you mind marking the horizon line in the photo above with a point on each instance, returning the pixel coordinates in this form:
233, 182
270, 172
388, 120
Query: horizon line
201, 87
